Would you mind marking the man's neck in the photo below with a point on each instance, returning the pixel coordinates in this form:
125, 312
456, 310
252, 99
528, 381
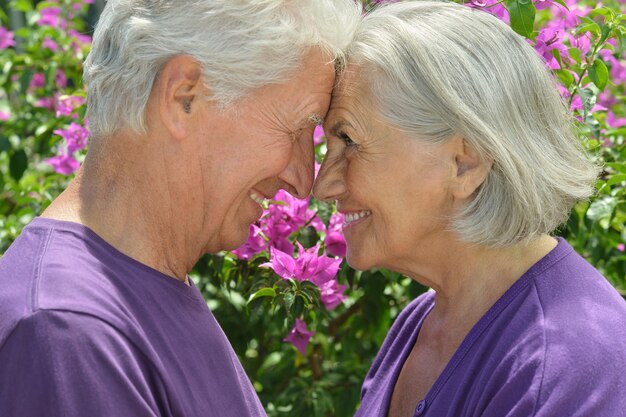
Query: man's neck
127, 206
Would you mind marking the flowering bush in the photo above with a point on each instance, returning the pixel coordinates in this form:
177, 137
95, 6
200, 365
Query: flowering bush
304, 324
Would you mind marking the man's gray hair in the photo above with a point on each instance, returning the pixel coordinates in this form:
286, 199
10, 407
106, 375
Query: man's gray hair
437, 69
241, 45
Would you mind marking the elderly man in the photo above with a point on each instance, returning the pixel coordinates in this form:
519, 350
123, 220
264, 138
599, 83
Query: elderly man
199, 110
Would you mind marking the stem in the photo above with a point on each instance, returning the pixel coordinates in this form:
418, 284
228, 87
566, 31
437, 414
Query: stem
591, 58
311, 219
315, 364
495, 4
334, 326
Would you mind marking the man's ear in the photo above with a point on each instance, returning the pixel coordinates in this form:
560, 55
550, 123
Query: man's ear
471, 169
179, 93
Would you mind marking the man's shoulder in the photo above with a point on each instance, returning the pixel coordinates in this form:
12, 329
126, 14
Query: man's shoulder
49, 269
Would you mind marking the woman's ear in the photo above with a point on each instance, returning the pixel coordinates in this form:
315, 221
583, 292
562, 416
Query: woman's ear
180, 88
471, 169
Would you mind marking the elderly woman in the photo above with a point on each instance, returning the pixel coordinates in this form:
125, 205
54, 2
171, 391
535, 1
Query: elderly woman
198, 111
452, 157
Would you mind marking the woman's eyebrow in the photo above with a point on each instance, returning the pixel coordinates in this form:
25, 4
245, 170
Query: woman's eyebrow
338, 126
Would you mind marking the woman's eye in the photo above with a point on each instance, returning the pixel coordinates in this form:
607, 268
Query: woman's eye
346, 139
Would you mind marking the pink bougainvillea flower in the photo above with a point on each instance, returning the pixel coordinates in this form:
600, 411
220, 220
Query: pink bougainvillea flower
577, 103
614, 122
299, 336
66, 105
331, 294
607, 99
494, 7
317, 269
280, 220
317, 168
570, 17
551, 39
318, 135
543, 4
4, 116
582, 42
79, 41
63, 164
254, 245
84, 39
50, 44
320, 270
50, 17
334, 242
282, 263
78, 5
621, 247
38, 80
563, 90
46, 102
75, 135
61, 79
618, 67
6, 38
307, 266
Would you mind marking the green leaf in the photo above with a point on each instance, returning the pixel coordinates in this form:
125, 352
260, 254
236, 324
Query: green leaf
603, 11
46, 5
594, 125
3, 17
21, 5
23, 33
599, 74
522, 13
298, 307
588, 98
263, 292
602, 209
18, 164
592, 27
575, 53
288, 300
5, 144
6, 72
616, 132
617, 166
606, 32
616, 179
566, 77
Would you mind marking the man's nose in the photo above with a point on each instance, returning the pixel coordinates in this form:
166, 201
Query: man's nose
300, 171
330, 181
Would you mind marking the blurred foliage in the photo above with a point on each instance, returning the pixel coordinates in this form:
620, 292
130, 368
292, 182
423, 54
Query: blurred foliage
255, 307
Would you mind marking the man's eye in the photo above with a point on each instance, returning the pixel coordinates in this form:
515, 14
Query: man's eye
346, 139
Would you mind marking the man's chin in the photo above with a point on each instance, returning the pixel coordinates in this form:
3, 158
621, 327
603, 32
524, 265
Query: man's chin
228, 244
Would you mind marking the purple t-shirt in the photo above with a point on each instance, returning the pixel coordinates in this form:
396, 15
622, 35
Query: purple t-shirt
87, 331
554, 345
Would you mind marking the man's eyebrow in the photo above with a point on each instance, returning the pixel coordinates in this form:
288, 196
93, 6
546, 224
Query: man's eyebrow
316, 119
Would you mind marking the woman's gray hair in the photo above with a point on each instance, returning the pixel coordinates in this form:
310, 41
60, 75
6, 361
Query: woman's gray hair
241, 45
437, 69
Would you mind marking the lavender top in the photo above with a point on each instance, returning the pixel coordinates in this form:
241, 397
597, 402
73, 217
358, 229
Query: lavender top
553, 345
88, 331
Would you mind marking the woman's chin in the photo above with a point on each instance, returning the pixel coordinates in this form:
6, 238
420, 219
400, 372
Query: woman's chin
357, 261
